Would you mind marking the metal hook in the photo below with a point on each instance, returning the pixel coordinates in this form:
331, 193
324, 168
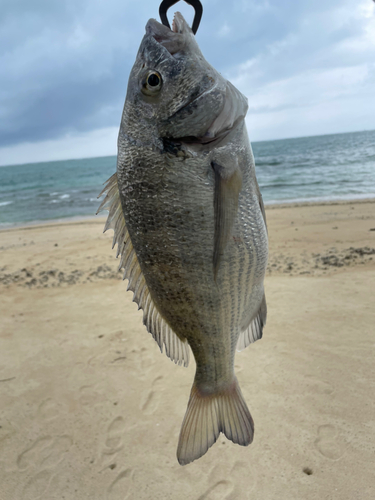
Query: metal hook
166, 4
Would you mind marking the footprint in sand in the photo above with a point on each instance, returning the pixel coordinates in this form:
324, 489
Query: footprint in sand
328, 442
37, 486
223, 482
150, 403
45, 452
88, 395
115, 432
218, 491
120, 488
58, 450
240, 472
29, 456
48, 410
316, 386
145, 361
220, 485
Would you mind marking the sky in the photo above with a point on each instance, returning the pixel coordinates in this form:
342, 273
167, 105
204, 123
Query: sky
306, 67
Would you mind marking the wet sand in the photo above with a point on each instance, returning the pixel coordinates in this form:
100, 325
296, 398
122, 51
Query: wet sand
90, 408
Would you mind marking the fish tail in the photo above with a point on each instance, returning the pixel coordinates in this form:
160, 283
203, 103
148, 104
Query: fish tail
209, 414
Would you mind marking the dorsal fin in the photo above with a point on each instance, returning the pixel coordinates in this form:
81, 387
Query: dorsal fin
176, 349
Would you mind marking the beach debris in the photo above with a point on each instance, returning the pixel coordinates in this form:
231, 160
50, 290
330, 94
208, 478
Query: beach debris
334, 258
189, 222
315, 264
47, 278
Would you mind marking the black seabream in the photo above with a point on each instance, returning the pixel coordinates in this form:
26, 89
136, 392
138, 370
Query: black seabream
190, 225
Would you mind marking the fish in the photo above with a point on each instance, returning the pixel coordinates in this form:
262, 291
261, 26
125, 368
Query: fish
190, 226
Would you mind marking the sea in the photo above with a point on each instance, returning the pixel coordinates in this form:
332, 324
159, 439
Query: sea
307, 169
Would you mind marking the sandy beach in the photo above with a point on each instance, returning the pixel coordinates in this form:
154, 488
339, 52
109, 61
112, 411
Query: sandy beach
90, 408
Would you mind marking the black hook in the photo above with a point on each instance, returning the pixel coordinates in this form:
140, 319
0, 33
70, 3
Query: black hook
166, 4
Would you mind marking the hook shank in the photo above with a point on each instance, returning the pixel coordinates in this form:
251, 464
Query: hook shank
196, 4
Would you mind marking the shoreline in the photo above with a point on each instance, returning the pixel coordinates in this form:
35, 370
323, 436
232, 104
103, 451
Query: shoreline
296, 203
92, 219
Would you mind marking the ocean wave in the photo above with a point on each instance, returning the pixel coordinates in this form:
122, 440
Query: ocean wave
265, 163
322, 199
324, 168
285, 184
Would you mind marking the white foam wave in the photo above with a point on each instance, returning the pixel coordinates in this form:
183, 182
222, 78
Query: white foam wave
64, 196
322, 199
4, 203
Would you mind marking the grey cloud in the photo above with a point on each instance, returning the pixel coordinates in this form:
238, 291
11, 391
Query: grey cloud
63, 71
64, 64
319, 42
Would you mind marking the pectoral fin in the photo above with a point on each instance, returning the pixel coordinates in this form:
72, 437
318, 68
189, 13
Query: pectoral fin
227, 189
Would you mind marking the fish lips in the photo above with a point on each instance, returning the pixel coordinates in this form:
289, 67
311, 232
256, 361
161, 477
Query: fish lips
175, 40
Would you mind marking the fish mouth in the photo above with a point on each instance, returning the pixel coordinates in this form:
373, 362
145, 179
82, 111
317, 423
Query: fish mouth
178, 24
175, 39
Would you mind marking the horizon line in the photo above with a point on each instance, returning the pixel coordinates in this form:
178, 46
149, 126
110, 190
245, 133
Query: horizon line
252, 142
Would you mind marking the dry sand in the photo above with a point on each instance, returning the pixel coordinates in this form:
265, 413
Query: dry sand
90, 409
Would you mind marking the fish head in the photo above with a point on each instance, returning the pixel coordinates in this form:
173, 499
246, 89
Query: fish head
172, 86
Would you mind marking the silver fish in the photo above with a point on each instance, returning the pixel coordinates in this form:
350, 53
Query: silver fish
189, 222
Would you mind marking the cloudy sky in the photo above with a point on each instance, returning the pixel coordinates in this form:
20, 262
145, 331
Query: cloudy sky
307, 68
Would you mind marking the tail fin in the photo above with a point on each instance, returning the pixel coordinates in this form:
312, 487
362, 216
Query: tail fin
208, 415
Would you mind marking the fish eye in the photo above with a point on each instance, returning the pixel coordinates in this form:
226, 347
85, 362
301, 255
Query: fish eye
153, 80
152, 83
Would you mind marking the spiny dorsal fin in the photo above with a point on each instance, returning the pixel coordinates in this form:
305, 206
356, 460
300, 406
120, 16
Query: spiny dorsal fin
177, 350
227, 190
254, 330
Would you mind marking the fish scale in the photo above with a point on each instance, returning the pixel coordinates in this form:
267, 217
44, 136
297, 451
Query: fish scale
190, 225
